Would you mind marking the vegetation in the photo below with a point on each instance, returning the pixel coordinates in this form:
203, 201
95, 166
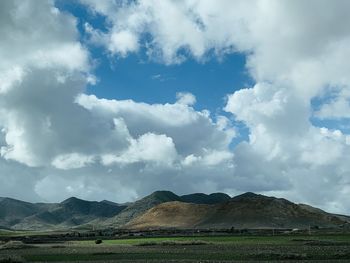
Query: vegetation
190, 249
233, 240
98, 241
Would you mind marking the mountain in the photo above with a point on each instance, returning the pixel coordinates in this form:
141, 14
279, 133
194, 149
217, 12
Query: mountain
75, 212
75, 206
200, 198
248, 210
159, 197
163, 209
12, 211
72, 212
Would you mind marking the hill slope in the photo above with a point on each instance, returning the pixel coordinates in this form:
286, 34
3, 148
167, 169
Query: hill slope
172, 214
159, 197
250, 210
314, 209
13, 211
72, 212
139, 207
245, 211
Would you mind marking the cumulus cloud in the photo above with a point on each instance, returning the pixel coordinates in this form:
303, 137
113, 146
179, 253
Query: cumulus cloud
191, 131
147, 148
185, 98
70, 143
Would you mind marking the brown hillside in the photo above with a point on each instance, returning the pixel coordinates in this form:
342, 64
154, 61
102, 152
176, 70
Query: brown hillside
173, 215
258, 211
245, 211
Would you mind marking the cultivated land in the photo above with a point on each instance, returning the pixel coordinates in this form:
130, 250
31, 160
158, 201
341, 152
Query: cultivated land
282, 248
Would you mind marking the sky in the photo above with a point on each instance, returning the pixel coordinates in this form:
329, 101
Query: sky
116, 99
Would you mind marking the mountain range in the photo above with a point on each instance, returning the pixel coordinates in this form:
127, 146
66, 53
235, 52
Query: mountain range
164, 209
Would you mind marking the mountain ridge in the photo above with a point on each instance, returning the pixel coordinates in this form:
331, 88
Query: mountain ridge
244, 211
192, 210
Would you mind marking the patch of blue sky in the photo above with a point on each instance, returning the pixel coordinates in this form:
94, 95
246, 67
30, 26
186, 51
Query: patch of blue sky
145, 79
333, 124
342, 124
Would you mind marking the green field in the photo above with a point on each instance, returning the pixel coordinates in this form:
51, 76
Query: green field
222, 239
190, 249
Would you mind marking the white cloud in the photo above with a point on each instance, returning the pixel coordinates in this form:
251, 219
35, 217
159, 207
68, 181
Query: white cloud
123, 42
103, 147
172, 120
10, 77
149, 147
185, 98
72, 161
42, 121
28, 41
210, 158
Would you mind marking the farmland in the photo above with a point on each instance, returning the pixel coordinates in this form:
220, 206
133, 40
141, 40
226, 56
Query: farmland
187, 249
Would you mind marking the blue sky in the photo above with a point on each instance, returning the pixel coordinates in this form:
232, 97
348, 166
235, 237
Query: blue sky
139, 78
142, 79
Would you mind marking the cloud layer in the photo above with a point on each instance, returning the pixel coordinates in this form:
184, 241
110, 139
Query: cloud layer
63, 142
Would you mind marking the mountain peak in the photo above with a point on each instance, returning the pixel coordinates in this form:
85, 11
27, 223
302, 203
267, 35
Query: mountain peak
164, 196
72, 199
248, 195
162, 192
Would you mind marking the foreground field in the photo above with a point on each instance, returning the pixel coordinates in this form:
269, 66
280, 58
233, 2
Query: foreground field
188, 249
